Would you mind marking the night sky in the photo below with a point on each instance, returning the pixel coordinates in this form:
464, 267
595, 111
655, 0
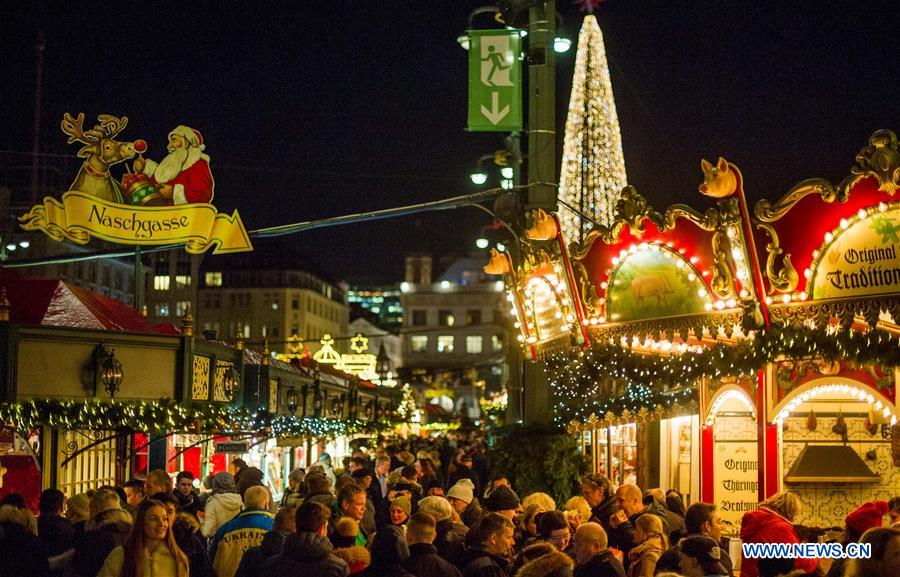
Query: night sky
315, 109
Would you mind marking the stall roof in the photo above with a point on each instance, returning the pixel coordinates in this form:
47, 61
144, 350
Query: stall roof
53, 303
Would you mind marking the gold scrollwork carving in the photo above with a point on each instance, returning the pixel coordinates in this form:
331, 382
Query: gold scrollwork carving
200, 379
881, 159
785, 279
589, 297
723, 279
767, 212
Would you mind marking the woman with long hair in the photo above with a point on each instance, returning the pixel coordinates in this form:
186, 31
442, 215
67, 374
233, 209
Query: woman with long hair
651, 544
150, 549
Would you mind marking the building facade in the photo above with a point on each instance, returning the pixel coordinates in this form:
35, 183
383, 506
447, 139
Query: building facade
172, 284
381, 301
276, 303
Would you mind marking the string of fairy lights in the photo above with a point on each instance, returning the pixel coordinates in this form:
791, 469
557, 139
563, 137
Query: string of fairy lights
612, 378
592, 171
167, 415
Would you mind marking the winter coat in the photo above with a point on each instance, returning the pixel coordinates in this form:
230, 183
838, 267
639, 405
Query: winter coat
357, 558
642, 558
189, 503
253, 559
621, 537
220, 509
451, 540
603, 564
162, 562
556, 564
305, 554
424, 560
236, 536
767, 526
103, 533
290, 498
669, 560
479, 563
602, 512
250, 477
57, 534
656, 509
472, 513
199, 562
21, 553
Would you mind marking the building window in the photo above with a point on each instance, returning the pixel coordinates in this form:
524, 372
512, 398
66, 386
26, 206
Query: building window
474, 344
418, 343
497, 343
420, 318
445, 344
213, 279
182, 280
295, 303
246, 331
274, 305
181, 307
264, 331
445, 318
275, 332
473, 317
161, 282
161, 310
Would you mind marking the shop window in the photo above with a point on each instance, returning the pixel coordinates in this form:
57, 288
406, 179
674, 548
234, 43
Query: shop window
446, 319
613, 451
418, 343
213, 279
445, 343
474, 344
419, 318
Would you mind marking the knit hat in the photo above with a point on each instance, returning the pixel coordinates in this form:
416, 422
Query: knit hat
191, 135
223, 483
402, 503
345, 532
502, 499
868, 515
464, 490
706, 552
437, 507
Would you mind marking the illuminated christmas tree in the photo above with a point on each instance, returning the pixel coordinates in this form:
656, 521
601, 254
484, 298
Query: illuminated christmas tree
593, 166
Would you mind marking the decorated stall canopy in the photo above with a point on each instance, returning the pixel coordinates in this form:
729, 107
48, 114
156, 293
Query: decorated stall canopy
154, 203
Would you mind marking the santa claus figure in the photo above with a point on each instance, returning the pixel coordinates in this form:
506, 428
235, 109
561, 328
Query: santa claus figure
183, 176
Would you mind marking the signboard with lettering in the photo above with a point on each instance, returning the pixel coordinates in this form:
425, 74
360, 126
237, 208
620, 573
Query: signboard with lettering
233, 448
861, 260
736, 483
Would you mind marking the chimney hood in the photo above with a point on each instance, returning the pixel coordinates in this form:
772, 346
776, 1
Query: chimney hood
830, 464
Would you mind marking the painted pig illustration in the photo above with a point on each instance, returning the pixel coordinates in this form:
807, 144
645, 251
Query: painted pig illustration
648, 286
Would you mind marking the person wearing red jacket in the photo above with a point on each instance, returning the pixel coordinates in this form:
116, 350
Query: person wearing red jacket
772, 522
183, 176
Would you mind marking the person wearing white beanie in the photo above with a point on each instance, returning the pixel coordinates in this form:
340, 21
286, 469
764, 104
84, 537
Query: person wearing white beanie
462, 498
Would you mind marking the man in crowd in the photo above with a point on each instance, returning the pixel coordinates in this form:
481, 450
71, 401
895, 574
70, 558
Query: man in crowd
56, 533
490, 557
246, 530
158, 481
184, 492
351, 501
592, 554
421, 531
462, 498
702, 520
106, 529
629, 499
134, 492
284, 526
598, 491
503, 501
308, 552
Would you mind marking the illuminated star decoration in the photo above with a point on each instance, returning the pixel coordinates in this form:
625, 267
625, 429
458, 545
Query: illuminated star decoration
589, 5
359, 344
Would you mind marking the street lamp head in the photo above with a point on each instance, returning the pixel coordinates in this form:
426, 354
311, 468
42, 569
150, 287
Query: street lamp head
463, 40
478, 177
507, 172
482, 243
561, 44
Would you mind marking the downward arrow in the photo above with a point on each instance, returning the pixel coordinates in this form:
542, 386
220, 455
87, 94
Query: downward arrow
493, 114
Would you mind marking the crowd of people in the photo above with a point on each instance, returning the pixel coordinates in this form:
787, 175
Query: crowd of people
404, 510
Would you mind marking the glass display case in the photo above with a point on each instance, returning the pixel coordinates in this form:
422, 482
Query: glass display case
612, 452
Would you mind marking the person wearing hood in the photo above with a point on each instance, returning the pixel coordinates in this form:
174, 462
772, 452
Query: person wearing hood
107, 528
250, 477
490, 556
284, 526
462, 498
424, 559
222, 506
701, 520
389, 552
700, 557
450, 538
592, 554
555, 564
308, 552
865, 517
343, 539
773, 522
22, 554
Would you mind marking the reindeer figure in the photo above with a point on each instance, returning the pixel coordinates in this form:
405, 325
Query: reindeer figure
100, 152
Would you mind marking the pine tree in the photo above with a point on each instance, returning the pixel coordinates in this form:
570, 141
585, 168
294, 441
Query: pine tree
593, 166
